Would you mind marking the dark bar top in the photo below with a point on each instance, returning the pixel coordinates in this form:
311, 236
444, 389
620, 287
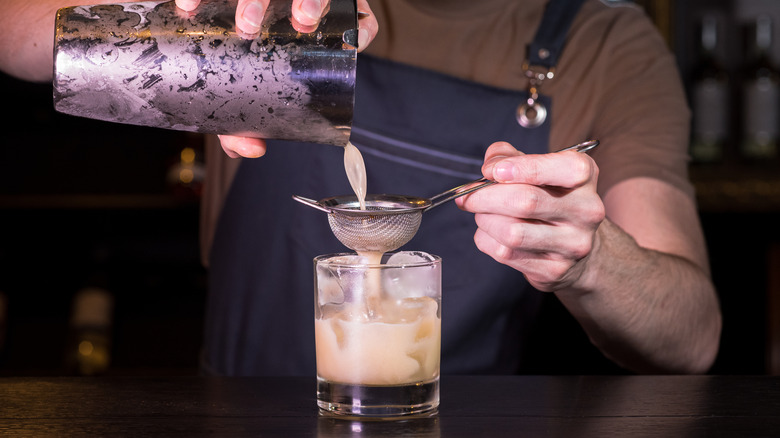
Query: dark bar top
471, 406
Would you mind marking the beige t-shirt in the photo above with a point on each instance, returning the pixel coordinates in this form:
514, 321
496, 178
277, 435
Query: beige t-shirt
616, 80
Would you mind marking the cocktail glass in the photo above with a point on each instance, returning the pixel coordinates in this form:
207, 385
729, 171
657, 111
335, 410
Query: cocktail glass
378, 334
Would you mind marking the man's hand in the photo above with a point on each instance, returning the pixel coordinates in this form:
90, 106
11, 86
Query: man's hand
306, 15
542, 217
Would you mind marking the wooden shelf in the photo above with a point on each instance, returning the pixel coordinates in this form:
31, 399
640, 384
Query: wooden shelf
737, 188
96, 201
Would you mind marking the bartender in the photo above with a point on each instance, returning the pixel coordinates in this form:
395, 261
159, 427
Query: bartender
448, 91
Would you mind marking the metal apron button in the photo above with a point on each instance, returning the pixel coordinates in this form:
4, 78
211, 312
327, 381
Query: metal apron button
531, 114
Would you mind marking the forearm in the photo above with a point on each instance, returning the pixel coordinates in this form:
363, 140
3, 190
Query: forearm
646, 310
28, 38
27, 42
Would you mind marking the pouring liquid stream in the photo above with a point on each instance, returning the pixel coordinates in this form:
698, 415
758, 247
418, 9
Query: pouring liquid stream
356, 174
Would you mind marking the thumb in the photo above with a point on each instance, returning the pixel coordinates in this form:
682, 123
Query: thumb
495, 154
187, 5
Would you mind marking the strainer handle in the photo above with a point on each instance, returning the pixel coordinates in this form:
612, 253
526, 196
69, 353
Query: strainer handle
312, 203
459, 191
475, 185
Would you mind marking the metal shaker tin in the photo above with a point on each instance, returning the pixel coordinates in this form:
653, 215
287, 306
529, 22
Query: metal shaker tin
152, 64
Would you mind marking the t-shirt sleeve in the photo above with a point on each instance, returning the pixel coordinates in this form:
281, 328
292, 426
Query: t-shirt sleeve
632, 98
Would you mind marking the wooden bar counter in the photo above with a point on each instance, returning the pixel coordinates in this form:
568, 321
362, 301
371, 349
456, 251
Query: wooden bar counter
472, 406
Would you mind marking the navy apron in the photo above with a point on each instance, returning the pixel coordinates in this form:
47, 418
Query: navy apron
420, 133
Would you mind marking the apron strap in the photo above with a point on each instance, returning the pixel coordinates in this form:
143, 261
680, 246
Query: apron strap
550, 37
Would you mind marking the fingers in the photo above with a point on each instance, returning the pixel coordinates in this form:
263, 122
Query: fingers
187, 5
306, 14
546, 271
563, 169
496, 153
246, 147
549, 256
548, 204
522, 219
542, 217
367, 26
529, 236
249, 15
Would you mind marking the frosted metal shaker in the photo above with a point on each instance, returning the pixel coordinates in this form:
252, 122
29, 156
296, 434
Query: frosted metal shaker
152, 64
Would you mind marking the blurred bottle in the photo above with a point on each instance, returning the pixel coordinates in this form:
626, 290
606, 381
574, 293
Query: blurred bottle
89, 341
3, 321
761, 96
4, 314
709, 97
188, 172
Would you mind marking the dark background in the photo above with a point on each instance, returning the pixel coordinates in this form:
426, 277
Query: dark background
87, 203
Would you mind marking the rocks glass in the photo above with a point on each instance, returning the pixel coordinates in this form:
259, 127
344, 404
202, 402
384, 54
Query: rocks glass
378, 334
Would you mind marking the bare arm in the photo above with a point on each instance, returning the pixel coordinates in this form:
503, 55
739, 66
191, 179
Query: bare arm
26, 47
646, 299
630, 267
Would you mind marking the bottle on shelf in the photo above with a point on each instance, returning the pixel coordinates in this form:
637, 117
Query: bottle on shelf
88, 350
3, 321
709, 97
760, 94
89, 343
187, 174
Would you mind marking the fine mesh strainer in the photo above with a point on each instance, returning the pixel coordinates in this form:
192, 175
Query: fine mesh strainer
389, 221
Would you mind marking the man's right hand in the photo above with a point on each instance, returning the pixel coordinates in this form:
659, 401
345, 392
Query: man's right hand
306, 15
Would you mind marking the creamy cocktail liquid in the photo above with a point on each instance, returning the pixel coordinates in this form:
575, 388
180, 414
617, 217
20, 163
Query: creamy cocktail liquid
400, 344
356, 172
